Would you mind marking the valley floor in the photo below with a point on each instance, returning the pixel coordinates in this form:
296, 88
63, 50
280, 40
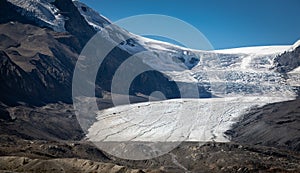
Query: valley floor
44, 156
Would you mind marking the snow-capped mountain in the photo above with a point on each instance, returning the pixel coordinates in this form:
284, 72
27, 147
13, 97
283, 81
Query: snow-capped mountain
244, 70
232, 72
40, 42
235, 72
42, 12
244, 77
251, 71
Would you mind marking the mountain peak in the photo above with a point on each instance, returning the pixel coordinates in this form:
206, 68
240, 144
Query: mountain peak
93, 18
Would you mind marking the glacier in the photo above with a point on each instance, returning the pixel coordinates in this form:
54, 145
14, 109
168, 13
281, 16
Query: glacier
172, 120
238, 79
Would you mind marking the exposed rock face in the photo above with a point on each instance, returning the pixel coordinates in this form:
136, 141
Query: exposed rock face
275, 125
4, 114
36, 65
8, 13
36, 62
76, 24
288, 61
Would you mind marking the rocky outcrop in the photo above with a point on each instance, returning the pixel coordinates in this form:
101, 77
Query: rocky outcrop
75, 23
289, 60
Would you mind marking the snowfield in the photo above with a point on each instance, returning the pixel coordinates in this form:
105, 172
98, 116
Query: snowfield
261, 50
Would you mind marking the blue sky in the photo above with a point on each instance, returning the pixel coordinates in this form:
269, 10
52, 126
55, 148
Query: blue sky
225, 23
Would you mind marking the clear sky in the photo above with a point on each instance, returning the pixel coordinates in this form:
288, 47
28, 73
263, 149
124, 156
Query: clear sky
225, 23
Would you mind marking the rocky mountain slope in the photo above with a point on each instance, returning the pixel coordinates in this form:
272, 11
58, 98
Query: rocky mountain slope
275, 124
45, 56
36, 64
40, 41
289, 60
